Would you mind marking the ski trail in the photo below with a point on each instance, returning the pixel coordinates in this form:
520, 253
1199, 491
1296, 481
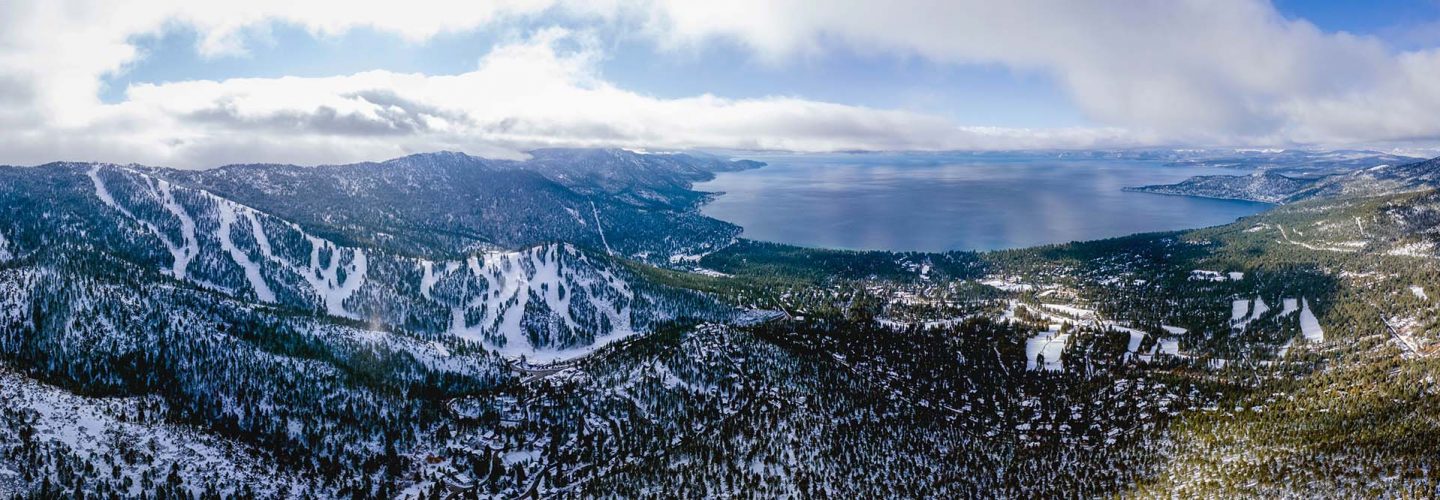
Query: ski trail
261, 240
181, 256
1291, 305
4, 248
600, 228
187, 230
252, 270
325, 278
1309, 325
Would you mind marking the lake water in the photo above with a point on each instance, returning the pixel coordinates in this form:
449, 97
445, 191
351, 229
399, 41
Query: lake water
957, 202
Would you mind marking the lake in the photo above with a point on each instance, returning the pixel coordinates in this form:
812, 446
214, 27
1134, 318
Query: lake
934, 202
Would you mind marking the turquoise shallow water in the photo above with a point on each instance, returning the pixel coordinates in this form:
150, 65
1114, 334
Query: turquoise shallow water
957, 202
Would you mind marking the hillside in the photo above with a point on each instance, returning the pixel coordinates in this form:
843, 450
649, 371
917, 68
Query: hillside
1271, 187
1262, 186
451, 204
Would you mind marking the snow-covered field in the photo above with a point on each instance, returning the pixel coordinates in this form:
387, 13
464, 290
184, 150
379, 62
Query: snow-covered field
1050, 344
1309, 324
108, 433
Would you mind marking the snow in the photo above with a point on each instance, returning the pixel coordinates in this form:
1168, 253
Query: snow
187, 230
711, 273
1169, 346
252, 270
90, 429
1419, 292
1071, 310
4, 248
1049, 343
1136, 336
1238, 310
1291, 305
1175, 330
1011, 284
512, 278
601, 229
1420, 249
427, 278
1204, 275
1309, 325
164, 195
1260, 308
325, 279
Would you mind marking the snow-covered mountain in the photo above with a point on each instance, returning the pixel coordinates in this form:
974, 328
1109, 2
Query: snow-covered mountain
1261, 186
545, 301
450, 204
1271, 187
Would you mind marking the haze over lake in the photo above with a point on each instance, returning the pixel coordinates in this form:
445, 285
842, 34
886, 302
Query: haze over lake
931, 202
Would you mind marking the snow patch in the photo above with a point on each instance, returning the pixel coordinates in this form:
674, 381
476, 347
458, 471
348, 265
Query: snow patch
1174, 330
163, 194
1239, 309
1290, 306
1050, 344
252, 269
1309, 325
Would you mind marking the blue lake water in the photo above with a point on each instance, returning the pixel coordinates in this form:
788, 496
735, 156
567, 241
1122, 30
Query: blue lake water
957, 202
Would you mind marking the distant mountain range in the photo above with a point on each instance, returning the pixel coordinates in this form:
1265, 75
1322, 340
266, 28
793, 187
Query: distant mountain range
1272, 187
1290, 162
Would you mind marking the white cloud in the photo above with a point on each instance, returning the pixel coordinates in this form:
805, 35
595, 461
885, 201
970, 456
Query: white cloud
1148, 72
1198, 70
522, 95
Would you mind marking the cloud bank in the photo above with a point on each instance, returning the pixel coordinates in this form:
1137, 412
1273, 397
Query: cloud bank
1150, 72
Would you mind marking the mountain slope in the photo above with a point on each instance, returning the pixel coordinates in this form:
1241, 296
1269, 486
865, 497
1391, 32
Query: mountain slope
1271, 187
449, 204
550, 301
1261, 186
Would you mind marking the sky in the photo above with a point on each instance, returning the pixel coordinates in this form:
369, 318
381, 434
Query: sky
199, 84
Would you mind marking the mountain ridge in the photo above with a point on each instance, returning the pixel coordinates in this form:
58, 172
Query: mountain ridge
1270, 187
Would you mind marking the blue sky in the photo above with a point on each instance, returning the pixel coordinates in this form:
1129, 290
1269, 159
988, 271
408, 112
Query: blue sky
987, 94
195, 84
977, 94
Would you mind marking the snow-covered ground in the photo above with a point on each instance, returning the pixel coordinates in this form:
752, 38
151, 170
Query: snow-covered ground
1049, 343
513, 279
104, 431
1239, 309
1309, 324
1290, 306
1259, 309
1204, 275
1008, 284
1072, 311
157, 191
252, 269
711, 273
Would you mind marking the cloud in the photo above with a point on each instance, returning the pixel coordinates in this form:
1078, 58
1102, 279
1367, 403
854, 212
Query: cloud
1194, 70
1146, 73
523, 95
